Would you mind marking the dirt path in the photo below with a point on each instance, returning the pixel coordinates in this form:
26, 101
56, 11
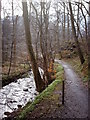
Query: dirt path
76, 95
76, 99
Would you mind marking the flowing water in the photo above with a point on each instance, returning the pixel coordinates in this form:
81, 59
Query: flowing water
17, 93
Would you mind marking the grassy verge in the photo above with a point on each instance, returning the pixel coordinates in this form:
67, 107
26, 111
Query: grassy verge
45, 94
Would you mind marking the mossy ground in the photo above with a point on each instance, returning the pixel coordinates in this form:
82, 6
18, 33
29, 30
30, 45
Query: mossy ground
47, 101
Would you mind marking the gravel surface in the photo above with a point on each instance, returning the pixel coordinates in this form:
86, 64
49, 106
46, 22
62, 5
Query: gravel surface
76, 95
76, 100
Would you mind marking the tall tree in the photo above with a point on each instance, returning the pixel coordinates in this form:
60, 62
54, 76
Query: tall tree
68, 24
38, 80
45, 9
75, 35
88, 40
89, 43
64, 22
0, 49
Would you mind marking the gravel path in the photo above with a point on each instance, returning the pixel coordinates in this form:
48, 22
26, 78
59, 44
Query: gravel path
76, 95
76, 100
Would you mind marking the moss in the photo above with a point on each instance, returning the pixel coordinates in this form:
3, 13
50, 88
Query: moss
59, 72
42, 96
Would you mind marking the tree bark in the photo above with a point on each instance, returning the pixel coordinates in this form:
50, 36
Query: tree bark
64, 22
88, 43
38, 80
42, 45
75, 36
0, 49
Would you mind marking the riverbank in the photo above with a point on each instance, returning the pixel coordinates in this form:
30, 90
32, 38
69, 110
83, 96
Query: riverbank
46, 94
50, 107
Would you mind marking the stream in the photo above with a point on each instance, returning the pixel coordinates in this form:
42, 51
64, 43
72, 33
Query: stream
16, 94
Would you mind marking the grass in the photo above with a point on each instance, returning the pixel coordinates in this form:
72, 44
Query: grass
45, 94
59, 72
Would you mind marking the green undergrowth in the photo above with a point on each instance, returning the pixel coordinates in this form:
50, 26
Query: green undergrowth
59, 72
45, 94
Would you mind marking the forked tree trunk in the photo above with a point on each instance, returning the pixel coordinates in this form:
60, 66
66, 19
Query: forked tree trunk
75, 36
38, 80
45, 64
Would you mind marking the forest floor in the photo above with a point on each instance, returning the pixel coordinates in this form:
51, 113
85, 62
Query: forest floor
76, 99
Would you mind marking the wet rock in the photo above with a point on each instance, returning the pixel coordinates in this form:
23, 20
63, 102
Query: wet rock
15, 81
12, 101
19, 106
16, 94
30, 87
71, 49
35, 94
74, 46
25, 89
7, 113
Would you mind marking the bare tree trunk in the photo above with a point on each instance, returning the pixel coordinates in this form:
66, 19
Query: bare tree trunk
88, 43
13, 45
10, 64
39, 82
68, 29
42, 45
64, 22
75, 36
78, 21
0, 49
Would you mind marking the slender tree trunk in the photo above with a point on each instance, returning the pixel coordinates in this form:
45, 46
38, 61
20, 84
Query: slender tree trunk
42, 45
75, 36
39, 82
0, 49
68, 29
64, 22
88, 43
78, 21
13, 45
10, 64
